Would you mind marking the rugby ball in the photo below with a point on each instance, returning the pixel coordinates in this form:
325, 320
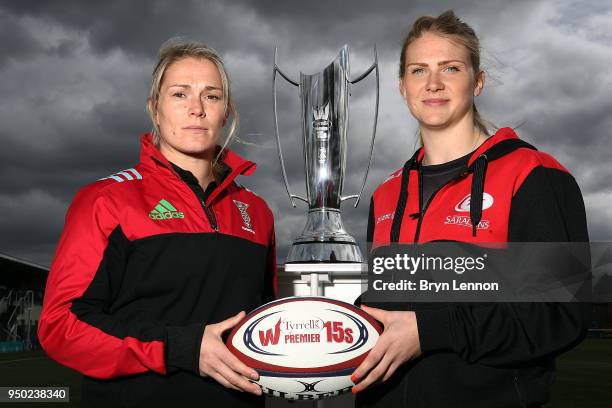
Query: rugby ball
304, 348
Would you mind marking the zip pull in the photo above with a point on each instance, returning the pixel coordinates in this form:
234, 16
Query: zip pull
210, 215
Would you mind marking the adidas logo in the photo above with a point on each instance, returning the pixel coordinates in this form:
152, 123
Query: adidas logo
165, 211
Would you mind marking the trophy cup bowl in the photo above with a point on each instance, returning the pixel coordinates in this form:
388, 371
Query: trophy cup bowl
324, 98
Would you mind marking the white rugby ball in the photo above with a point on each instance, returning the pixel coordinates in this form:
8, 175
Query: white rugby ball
304, 348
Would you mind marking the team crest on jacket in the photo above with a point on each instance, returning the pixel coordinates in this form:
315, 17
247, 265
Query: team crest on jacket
242, 207
464, 204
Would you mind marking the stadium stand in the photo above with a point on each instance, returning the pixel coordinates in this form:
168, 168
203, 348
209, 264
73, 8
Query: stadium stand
22, 284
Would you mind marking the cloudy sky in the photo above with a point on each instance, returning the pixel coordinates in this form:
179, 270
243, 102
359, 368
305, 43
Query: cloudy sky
74, 79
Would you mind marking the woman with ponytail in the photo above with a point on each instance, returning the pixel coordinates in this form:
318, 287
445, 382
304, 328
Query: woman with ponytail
466, 185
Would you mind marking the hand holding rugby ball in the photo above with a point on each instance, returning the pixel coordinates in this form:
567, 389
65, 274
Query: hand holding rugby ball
304, 348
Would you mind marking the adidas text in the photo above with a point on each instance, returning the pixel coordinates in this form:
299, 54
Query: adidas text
166, 215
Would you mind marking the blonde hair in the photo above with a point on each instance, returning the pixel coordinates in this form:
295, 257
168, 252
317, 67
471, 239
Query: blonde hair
448, 25
174, 50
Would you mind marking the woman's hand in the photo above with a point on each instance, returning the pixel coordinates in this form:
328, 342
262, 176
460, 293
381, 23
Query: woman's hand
218, 362
398, 343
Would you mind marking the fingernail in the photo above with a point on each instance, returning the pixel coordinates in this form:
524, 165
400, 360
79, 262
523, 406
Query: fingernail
354, 378
354, 390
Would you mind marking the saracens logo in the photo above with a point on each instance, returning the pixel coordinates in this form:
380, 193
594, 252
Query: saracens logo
464, 221
242, 207
464, 204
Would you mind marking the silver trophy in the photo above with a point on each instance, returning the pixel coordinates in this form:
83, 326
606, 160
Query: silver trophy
324, 100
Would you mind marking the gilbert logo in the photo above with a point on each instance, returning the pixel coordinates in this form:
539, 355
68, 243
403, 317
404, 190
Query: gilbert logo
464, 205
242, 207
309, 387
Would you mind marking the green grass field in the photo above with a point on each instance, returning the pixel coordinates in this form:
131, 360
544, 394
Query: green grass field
584, 376
36, 369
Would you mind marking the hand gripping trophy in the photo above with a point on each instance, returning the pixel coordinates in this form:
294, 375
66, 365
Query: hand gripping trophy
324, 100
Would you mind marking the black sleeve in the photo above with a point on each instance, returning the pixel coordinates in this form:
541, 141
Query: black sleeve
370, 232
547, 208
369, 240
95, 307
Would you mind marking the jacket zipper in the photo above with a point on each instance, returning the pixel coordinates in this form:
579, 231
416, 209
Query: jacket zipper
423, 210
210, 215
208, 212
516, 380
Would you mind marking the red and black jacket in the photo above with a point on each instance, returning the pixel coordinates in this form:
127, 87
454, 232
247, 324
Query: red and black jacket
488, 354
145, 261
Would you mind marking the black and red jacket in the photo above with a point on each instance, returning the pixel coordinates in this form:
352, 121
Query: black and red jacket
145, 261
486, 354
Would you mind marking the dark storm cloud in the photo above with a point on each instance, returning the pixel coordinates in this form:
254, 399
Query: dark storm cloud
140, 26
15, 41
131, 25
75, 79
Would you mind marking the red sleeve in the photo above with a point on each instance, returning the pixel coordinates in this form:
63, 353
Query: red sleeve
87, 348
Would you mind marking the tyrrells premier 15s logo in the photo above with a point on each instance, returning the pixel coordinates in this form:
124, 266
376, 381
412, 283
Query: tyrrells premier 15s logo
165, 211
313, 330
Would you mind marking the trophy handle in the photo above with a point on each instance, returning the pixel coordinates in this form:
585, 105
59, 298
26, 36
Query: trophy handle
354, 81
278, 143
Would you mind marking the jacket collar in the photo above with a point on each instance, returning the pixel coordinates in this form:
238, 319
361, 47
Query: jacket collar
150, 156
501, 135
490, 145
500, 144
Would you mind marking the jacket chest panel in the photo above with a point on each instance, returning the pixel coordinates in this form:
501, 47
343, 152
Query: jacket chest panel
240, 215
448, 215
385, 202
154, 211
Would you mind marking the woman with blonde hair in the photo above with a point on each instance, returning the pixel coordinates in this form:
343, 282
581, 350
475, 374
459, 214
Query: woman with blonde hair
157, 261
468, 186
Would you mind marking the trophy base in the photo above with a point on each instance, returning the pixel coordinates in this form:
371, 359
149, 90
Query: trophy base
315, 252
324, 240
